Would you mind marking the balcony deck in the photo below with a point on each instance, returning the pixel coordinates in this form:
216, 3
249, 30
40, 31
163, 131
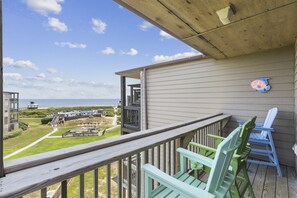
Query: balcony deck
266, 182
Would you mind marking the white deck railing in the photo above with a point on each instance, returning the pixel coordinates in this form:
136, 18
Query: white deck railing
120, 157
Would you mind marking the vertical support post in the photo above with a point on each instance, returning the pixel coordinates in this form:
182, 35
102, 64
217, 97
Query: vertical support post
120, 175
123, 102
2, 174
43, 193
129, 177
131, 95
82, 186
96, 183
108, 186
64, 189
295, 94
145, 98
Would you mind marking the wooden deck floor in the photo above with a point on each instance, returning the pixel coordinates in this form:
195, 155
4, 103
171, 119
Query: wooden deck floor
266, 182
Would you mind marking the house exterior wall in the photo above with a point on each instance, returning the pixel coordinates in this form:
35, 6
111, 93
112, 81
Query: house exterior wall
194, 89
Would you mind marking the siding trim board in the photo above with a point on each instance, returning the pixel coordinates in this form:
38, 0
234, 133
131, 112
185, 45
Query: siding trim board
196, 88
295, 86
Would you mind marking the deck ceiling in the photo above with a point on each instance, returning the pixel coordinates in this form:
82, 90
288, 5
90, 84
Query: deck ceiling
256, 26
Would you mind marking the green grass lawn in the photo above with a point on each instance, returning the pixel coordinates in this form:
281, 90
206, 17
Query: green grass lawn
31, 121
51, 144
33, 133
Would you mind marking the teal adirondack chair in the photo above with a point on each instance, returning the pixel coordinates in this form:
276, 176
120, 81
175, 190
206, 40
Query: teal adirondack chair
238, 162
184, 185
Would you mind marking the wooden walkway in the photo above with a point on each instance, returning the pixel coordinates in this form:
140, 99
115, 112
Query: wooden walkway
267, 184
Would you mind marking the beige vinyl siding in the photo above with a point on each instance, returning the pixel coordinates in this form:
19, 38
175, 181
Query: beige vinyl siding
189, 90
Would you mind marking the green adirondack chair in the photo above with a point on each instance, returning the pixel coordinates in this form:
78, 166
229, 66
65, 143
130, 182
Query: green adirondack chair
184, 185
238, 162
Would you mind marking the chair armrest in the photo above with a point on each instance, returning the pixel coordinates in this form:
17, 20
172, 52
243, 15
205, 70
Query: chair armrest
195, 157
259, 124
216, 137
202, 147
170, 182
263, 129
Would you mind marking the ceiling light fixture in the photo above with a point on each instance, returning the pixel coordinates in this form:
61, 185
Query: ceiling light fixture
225, 14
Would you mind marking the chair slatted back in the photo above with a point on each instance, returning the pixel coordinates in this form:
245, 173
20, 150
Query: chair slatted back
269, 121
246, 130
222, 160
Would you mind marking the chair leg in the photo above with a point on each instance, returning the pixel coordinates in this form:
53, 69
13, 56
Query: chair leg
279, 172
246, 176
229, 194
235, 190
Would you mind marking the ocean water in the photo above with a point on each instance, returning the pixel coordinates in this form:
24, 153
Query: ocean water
46, 103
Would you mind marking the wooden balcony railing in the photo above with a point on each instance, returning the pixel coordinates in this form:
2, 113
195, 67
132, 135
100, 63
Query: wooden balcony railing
114, 164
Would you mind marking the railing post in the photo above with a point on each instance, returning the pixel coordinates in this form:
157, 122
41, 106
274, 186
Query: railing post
123, 101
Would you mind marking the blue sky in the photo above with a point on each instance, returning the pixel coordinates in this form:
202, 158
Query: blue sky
71, 49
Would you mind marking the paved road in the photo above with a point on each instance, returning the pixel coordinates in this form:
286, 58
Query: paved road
32, 144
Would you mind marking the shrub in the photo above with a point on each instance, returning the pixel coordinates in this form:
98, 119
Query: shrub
12, 134
23, 126
46, 120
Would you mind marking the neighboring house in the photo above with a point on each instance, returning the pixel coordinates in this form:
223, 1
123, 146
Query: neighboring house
257, 43
10, 111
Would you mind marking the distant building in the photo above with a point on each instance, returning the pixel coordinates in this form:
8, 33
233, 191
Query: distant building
10, 111
32, 105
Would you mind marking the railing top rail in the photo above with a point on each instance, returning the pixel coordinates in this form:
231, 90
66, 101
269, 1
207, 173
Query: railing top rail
35, 178
35, 160
132, 108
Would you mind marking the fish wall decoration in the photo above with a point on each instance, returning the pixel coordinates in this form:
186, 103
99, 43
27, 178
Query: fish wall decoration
261, 85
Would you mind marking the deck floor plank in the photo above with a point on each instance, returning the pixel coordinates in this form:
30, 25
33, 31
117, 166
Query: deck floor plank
292, 182
259, 180
282, 184
270, 183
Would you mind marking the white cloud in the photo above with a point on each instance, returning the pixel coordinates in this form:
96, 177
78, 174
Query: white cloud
108, 51
45, 6
163, 58
165, 35
52, 70
41, 76
132, 52
13, 76
57, 25
7, 61
145, 25
71, 45
57, 79
98, 26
